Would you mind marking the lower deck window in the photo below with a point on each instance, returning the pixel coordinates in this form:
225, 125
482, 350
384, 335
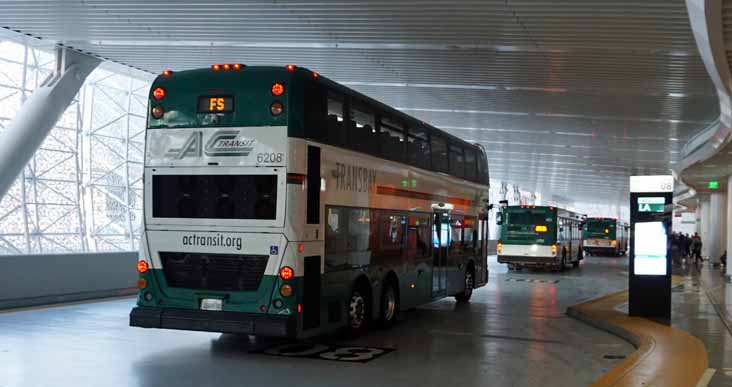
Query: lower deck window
215, 196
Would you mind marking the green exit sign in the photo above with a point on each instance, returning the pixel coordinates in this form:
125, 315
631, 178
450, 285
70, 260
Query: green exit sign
714, 184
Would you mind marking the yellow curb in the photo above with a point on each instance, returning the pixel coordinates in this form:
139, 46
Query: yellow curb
664, 356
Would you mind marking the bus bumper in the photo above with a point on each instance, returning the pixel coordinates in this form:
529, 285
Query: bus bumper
528, 260
601, 250
210, 321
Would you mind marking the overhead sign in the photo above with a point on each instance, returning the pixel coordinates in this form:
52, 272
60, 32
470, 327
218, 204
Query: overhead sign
714, 184
655, 183
651, 204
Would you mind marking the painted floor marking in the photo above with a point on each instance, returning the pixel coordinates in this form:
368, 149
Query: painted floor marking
706, 377
532, 280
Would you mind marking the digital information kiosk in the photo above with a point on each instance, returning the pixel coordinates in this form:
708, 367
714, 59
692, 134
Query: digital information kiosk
651, 206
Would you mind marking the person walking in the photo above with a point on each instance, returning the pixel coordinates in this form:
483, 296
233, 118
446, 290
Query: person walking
696, 247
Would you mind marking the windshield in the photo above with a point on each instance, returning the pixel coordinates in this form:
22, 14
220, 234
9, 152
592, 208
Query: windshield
599, 227
521, 225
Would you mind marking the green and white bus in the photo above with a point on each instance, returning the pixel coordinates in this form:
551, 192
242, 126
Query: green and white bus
605, 236
280, 203
539, 236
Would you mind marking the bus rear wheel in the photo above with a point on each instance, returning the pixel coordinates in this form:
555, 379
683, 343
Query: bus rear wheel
389, 305
356, 313
469, 285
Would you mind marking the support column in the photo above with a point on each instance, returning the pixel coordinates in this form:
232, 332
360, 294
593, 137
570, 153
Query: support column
728, 268
704, 203
40, 112
717, 226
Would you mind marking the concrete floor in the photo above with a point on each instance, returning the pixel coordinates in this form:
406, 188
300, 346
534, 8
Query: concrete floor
513, 333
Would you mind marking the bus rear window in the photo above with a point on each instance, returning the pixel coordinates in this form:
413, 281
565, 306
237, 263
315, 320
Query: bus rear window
215, 196
600, 226
528, 218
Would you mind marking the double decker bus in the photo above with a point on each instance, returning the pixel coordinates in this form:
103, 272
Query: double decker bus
605, 236
539, 236
280, 203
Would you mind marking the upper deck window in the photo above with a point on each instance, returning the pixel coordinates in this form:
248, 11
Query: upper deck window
457, 161
439, 153
418, 147
392, 139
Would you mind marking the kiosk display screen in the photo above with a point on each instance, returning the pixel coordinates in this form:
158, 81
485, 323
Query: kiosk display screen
650, 248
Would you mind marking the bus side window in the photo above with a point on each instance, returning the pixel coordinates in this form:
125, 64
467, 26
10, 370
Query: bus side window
418, 147
470, 235
334, 122
470, 163
418, 237
315, 111
439, 153
362, 134
457, 161
392, 139
456, 240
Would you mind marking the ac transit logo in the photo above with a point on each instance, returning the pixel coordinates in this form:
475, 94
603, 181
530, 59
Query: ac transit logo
222, 143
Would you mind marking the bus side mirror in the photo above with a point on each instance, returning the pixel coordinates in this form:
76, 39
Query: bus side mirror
499, 218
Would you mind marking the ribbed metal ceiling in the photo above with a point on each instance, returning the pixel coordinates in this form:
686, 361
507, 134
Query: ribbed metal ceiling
569, 97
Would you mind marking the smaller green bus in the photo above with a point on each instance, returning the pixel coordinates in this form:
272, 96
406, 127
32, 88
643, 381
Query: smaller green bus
539, 236
605, 236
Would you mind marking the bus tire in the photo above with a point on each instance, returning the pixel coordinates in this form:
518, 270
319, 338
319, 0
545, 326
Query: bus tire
357, 309
469, 285
389, 305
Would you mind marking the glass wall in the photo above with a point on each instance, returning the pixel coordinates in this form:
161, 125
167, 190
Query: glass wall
82, 190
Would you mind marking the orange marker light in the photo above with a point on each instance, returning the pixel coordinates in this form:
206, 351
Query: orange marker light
315, 75
227, 66
291, 67
554, 249
216, 67
141, 283
142, 266
158, 93
167, 73
286, 273
237, 66
278, 89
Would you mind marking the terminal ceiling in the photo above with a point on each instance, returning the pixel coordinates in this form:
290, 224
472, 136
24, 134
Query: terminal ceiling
569, 97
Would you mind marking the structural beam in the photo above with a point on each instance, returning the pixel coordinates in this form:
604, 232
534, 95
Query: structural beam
40, 112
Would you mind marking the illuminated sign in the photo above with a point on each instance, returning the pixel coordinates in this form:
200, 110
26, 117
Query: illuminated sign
215, 104
714, 184
650, 248
659, 183
651, 204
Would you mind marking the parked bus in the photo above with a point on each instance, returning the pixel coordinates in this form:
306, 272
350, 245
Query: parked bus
539, 236
605, 236
280, 203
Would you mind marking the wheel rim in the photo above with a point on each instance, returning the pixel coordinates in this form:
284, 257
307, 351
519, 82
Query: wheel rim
468, 283
389, 304
356, 310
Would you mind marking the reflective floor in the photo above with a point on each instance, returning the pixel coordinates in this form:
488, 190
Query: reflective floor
513, 333
703, 307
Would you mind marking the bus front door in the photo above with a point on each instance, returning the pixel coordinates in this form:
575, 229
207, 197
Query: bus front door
440, 243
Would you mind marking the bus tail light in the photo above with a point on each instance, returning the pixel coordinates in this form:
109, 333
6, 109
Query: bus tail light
276, 108
541, 228
300, 248
286, 290
278, 89
614, 243
157, 111
286, 273
499, 247
142, 266
554, 249
299, 308
158, 93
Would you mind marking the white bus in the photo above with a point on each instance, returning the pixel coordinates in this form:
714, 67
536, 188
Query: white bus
280, 203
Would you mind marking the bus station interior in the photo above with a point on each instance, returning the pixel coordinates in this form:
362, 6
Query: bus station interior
567, 100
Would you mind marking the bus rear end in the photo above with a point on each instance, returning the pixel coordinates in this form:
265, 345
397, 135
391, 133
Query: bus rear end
600, 236
214, 255
528, 236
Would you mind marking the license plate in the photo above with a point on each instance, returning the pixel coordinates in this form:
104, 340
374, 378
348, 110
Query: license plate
212, 304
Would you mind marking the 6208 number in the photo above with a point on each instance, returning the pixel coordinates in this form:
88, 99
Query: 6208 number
270, 157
